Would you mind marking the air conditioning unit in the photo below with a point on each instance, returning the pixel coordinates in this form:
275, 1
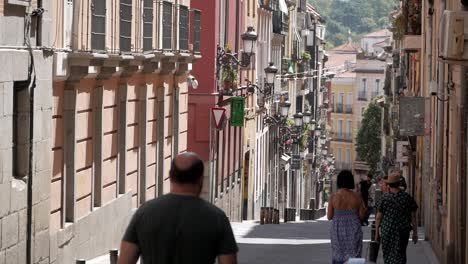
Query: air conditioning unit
454, 35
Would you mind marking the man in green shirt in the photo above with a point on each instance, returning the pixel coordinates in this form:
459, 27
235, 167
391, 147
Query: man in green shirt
180, 227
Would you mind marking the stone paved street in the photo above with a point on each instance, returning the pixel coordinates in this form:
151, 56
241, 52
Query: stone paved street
303, 242
299, 243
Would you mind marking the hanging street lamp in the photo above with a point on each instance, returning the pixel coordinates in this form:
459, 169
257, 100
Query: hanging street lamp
284, 108
298, 119
307, 117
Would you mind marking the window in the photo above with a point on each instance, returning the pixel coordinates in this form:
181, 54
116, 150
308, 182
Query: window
183, 28
147, 25
340, 127
98, 25
299, 100
167, 26
350, 99
377, 88
125, 25
348, 159
350, 128
196, 30
341, 99
362, 96
338, 157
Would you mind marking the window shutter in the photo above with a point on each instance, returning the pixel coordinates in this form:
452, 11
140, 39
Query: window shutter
125, 25
196, 30
183, 28
167, 25
147, 25
98, 25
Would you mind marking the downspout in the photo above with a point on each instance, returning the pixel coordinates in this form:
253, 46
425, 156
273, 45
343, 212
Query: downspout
463, 158
427, 138
32, 85
440, 117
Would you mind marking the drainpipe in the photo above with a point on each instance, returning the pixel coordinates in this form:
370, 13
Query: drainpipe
440, 115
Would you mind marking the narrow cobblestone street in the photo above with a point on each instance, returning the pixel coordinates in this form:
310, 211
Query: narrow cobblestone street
304, 242
300, 243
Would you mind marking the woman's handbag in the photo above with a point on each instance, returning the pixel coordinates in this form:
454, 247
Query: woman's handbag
374, 250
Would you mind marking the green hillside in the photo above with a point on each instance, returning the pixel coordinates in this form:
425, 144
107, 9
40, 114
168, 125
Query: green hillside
358, 16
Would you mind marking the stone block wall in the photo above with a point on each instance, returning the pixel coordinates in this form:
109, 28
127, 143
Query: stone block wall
94, 234
14, 157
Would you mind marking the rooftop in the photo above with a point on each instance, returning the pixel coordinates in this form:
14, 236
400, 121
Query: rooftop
379, 34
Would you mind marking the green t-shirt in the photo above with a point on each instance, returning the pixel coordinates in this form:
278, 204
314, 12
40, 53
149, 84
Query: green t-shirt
178, 229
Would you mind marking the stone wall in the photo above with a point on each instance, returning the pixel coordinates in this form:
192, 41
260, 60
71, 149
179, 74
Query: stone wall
94, 234
14, 156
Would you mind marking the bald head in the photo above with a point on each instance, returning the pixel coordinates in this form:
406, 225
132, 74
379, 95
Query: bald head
186, 168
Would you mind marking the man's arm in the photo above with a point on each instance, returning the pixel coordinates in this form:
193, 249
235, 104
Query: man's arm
129, 253
227, 259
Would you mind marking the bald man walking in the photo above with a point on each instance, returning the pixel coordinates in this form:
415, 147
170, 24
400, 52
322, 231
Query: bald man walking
180, 227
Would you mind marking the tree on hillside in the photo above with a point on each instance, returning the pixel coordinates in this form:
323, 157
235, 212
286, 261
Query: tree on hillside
368, 141
358, 16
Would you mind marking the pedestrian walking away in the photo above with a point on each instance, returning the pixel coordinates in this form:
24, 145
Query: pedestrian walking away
347, 210
367, 190
180, 227
396, 217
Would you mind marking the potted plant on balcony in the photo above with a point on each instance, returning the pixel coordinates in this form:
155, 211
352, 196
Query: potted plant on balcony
229, 75
303, 63
229, 78
414, 16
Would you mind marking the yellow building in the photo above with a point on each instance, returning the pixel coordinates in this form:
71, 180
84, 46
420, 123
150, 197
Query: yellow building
341, 121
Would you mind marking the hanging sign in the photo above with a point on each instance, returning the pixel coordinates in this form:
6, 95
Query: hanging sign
295, 161
237, 111
219, 115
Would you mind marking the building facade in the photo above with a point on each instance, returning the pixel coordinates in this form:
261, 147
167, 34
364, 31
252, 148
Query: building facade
427, 74
102, 88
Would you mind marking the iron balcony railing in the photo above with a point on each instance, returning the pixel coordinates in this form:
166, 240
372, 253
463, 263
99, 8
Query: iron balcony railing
339, 108
342, 137
348, 109
362, 96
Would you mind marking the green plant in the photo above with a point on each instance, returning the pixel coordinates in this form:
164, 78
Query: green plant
229, 75
368, 140
399, 27
306, 56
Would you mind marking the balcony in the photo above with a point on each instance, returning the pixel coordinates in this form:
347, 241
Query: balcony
339, 108
412, 42
344, 166
342, 137
348, 109
271, 5
362, 96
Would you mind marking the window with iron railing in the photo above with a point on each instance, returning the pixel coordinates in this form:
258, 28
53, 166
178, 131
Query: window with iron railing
167, 26
348, 109
196, 30
339, 108
362, 96
125, 25
342, 136
183, 28
147, 25
98, 25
